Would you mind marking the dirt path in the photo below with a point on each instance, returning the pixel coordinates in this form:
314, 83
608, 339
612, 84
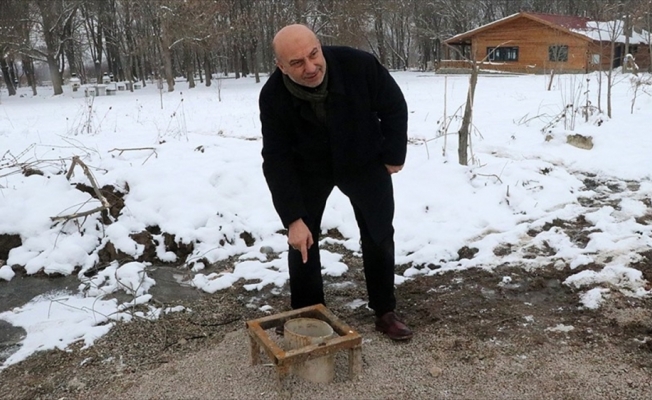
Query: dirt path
475, 338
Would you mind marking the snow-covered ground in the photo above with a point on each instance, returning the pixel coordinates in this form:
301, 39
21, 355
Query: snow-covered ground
189, 164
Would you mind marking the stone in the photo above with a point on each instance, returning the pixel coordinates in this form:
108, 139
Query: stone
8, 242
579, 141
266, 249
435, 371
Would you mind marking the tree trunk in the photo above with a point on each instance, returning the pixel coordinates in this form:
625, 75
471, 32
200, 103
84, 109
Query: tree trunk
143, 74
28, 67
235, 59
208, 69
55, 75
50, 18
380, 38
69, 48
167, 62
254, 64
197, 61
626, 32
610, 76
7, 78
13, 74
189, 66
465, 129
128, 71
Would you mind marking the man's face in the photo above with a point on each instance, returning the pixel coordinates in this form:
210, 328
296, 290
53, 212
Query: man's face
302, 60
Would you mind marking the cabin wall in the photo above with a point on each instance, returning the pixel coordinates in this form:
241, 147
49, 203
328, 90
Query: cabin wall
602, 51
533, 41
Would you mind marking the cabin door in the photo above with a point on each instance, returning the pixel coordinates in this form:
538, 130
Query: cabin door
618, 56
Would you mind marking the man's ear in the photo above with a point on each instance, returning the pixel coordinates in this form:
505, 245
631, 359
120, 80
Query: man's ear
280, 66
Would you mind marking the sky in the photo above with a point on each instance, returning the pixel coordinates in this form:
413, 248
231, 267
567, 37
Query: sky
189, 162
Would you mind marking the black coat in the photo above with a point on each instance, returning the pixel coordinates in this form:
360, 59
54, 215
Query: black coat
366, 125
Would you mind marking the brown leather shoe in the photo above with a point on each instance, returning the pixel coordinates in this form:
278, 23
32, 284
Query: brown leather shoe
390, 325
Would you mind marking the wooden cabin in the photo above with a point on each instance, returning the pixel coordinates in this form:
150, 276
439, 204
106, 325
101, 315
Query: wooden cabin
538, 43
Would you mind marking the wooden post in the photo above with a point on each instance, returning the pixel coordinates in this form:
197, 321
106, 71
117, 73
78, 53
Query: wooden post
282, 371
355, 363
254, 351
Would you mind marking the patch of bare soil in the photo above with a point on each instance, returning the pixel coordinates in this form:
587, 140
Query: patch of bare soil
474, 323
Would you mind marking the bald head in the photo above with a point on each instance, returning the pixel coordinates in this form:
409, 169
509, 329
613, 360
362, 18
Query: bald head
299, 56
291, 35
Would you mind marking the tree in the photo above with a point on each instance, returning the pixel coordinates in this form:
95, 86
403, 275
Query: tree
10, 39
140, 39
609, 33
55, 15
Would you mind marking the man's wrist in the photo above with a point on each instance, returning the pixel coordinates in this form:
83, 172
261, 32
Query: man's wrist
298, 220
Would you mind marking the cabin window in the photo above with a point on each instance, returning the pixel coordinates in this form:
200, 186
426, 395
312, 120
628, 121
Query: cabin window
502, 53
633, 49
595, 59
558, 53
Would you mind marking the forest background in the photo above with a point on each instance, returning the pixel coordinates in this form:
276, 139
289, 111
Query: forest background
48, 41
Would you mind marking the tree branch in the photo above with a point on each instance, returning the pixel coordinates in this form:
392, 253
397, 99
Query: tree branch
105, 203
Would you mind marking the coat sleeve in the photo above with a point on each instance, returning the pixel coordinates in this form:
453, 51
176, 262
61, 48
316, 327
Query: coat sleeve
278, 164
390, 106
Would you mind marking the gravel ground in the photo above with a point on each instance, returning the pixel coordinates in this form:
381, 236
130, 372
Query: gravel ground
474, 340
421, 369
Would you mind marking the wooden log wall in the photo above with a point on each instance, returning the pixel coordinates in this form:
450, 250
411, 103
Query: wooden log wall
533, 41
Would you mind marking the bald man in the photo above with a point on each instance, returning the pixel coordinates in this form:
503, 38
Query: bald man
334, 117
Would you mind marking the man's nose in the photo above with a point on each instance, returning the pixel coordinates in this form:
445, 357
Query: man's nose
310, 67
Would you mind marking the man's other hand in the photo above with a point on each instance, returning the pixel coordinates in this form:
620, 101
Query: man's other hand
392, 169
300, 238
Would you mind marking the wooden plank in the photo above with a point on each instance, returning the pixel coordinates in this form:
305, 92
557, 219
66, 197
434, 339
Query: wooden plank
331, 346
337, 324
269, 346
272, 321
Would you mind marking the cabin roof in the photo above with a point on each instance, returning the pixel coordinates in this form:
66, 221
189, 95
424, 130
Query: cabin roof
574, 26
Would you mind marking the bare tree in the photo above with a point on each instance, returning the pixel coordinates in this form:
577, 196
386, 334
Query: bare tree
609, 32
55, 15
15, 27
9, 20
141, 39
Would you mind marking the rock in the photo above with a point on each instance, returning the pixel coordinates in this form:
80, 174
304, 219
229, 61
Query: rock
466, 252
579, 141
8, 242
76, 384
266, 250
435, 371
248, 238
488, 294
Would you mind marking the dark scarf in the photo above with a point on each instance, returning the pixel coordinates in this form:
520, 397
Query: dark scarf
315, 96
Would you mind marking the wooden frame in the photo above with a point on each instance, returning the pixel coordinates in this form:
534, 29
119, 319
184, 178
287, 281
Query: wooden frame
347, 339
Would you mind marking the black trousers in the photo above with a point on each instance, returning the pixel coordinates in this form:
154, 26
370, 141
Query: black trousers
371, 194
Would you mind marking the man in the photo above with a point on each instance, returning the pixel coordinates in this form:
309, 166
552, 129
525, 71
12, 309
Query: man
334, 116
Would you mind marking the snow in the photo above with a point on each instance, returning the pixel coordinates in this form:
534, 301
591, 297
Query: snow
55, 320
607, 31
561, 328
594, 297
190, 165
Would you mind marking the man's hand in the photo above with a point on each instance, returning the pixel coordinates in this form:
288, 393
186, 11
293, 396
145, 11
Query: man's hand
392, 169
300, 238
